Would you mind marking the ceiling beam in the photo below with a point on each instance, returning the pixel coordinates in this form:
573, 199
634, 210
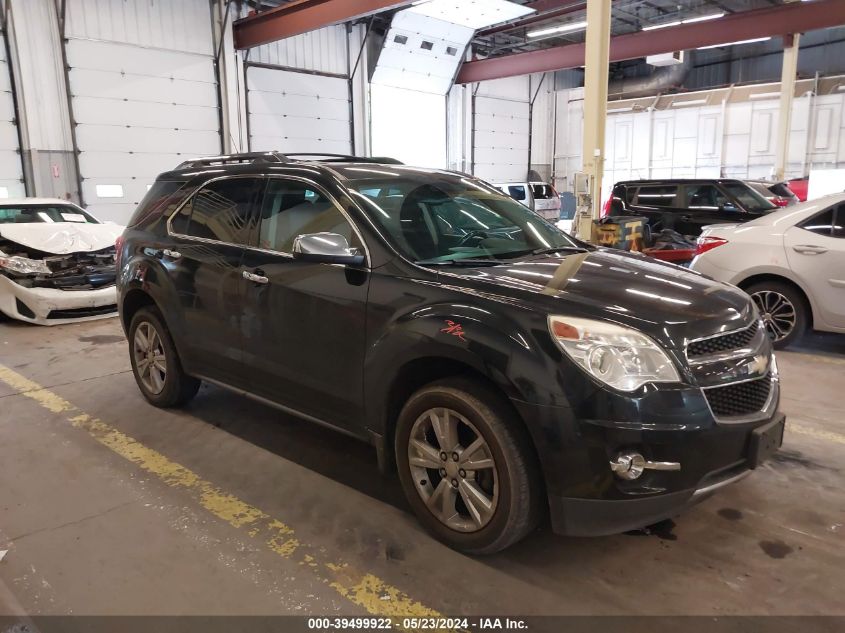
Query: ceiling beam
545, 10
301, 16
781, 20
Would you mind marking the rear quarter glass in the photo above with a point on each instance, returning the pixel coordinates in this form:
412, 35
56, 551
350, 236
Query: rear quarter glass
161, 195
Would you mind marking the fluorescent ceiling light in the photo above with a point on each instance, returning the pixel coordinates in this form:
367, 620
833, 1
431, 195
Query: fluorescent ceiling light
654, 27
700, 18
764, 95
703, 18
692, 102
563, 28
628, 109
756, 39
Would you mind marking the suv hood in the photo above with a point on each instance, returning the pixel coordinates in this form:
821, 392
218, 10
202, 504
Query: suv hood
62, 238
667, 302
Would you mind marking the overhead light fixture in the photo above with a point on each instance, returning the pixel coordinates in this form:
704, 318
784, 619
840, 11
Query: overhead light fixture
691, 102
700, 18
756, 39
703, 18
654, 27
615, 110
563, 28
764, 95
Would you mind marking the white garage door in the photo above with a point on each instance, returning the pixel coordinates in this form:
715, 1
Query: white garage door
297, 112
139, 111
501, 139
11, 173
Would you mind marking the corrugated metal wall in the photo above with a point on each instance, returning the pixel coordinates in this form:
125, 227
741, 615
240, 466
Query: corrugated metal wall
734, 139
323, 50
181, 25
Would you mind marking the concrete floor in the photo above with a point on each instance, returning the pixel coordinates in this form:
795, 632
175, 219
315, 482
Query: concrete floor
271, 515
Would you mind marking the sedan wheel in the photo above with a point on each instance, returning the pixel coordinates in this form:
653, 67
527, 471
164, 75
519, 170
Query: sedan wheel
778, 312
149, 357
454, 470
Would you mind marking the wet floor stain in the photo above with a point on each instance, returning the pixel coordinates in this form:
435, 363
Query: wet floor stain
796, 459
730, 514
775, 549
102, 339
662, 530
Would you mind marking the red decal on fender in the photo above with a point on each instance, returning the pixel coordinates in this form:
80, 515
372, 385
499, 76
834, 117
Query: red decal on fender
455, 329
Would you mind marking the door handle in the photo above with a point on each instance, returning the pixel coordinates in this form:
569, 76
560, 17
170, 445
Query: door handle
259, 279
171, 254
684, 218
809, 249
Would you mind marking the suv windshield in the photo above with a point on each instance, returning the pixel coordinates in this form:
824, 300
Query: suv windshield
44, 213
435, 218
748, 197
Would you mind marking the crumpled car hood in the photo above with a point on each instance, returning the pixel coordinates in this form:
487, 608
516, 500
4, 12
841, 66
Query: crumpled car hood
62, 238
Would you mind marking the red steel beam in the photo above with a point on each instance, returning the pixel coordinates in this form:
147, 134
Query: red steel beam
301, 16
781, 20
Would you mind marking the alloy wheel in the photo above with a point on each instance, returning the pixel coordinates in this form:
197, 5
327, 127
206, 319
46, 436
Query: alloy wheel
453, 469
777, 311
149, 356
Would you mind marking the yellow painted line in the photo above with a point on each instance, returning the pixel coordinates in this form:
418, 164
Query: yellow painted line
819, 434
360, 588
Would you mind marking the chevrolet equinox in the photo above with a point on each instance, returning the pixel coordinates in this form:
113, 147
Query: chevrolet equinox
506, 370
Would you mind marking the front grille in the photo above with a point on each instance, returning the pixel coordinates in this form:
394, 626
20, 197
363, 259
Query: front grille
76, 313
725, 343
744, 398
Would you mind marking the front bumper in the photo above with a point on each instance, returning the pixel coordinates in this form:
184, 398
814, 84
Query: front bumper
587, 499
49, 306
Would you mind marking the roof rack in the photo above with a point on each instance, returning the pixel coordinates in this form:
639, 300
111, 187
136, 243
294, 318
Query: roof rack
278, 157
228, 159
323, 157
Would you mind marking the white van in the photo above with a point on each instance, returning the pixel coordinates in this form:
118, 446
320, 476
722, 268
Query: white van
540, 197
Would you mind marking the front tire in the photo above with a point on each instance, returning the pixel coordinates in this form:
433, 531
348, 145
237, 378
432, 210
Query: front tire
784, 311
155, 362
486, 493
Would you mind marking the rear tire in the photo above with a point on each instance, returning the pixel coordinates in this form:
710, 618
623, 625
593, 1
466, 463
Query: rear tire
784, 311
487, 493
155, 361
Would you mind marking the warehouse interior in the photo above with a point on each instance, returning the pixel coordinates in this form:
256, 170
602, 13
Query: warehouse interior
117, 499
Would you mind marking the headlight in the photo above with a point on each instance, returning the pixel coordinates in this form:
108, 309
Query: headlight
24, 265
620, 357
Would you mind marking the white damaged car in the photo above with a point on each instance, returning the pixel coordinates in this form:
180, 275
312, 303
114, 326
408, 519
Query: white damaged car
57, 262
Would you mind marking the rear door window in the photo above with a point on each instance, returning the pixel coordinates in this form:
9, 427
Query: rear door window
221, 210
657, 196
821, 223
705, 197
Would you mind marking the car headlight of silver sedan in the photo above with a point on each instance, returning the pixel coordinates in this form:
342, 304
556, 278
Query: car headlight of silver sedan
620, 357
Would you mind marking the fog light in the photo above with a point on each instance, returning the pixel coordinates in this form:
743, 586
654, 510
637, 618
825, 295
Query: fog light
628, 465
631, 465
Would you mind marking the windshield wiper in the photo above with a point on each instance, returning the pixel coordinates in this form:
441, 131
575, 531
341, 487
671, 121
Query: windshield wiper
459, 262
559, 249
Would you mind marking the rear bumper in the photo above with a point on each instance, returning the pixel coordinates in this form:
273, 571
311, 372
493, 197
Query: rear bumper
49, 306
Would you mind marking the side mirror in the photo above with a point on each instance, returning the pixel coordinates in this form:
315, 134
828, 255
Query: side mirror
326, 248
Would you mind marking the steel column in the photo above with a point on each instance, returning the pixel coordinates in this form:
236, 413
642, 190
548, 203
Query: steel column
787, 96
595, 109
